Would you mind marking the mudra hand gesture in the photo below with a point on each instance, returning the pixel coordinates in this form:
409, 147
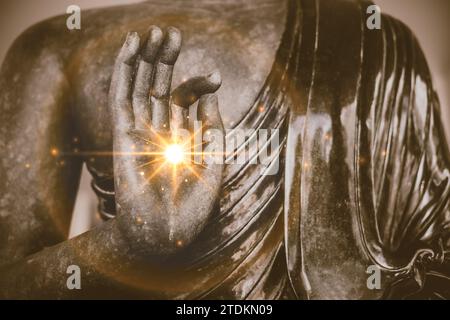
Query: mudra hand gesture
163, 198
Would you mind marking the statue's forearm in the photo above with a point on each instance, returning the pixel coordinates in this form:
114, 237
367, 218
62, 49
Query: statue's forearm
101, 255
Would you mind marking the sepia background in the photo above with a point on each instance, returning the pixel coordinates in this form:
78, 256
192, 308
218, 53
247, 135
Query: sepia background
429, 19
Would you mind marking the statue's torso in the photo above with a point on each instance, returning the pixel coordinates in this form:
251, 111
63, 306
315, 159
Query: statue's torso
240, 254
355, 109
242, 42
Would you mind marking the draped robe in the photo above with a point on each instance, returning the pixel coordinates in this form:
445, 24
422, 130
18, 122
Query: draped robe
363, 175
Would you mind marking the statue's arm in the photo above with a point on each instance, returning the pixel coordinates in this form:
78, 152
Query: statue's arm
369, 182
410, 155
121, 253
37, 186
37, 189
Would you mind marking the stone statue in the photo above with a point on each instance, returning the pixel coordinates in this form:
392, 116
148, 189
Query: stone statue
362, 189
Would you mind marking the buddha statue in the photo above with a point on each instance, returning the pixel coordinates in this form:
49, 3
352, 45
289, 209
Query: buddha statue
361, 178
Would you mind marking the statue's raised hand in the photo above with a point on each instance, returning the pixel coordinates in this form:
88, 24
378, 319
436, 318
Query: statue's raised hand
163, 198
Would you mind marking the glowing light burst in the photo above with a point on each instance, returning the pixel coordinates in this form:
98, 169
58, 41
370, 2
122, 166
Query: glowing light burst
174, 154
165, 154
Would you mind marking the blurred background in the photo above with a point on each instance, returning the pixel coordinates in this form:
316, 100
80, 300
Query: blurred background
429, 20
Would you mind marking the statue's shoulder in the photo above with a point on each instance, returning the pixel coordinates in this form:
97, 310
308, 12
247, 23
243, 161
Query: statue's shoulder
58, 34
179, 13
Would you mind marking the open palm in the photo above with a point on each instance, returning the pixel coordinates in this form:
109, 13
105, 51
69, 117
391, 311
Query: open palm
159, 189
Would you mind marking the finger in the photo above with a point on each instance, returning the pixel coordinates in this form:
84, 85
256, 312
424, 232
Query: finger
143, 79
159, 100
120, 92
153, 44
190, 91
187, 94
179, 118
208, 112
212, 129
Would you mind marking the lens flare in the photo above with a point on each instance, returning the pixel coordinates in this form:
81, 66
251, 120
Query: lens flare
174, 154
165, 156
